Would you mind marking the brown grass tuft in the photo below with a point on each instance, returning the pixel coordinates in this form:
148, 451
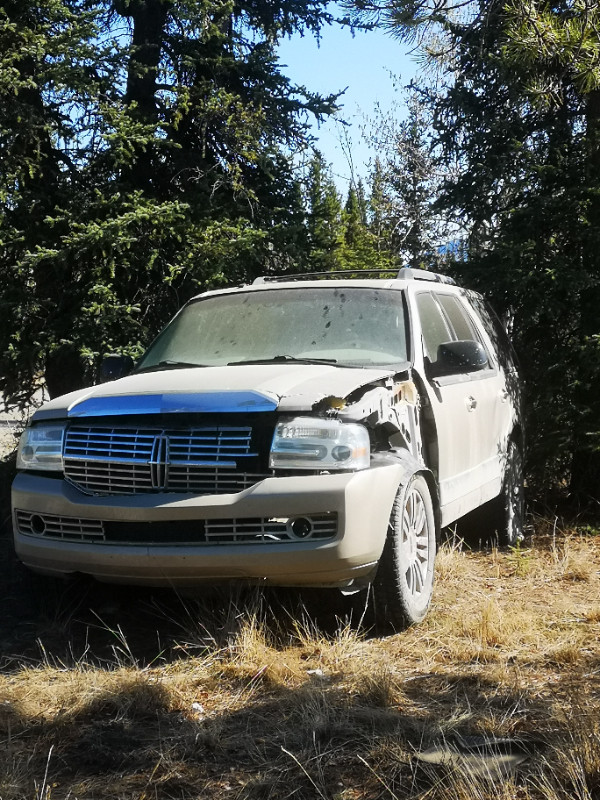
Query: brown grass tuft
593, 614
254, 703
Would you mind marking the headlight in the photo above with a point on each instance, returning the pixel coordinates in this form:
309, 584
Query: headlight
314, 443
41, 447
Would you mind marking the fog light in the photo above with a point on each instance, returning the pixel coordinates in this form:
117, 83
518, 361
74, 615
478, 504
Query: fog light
37, 524
301, 528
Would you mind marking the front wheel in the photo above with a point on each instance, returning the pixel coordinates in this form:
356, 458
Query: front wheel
404, 582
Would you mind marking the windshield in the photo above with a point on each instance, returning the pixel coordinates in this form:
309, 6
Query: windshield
348, 326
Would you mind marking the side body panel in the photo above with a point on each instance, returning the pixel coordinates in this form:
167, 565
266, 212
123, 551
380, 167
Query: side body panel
473, 414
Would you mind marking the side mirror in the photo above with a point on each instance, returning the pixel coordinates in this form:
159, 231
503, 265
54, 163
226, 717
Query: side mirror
115, 366
463, 355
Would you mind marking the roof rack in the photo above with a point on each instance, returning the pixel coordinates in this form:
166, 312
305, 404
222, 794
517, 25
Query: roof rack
405, 273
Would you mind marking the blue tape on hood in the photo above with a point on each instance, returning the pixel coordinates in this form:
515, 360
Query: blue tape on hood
199, 403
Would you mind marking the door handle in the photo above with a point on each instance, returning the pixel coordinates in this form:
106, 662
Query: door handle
471, 403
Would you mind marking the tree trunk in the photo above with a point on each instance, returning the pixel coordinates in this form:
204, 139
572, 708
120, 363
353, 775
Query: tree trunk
149, 18
64, 371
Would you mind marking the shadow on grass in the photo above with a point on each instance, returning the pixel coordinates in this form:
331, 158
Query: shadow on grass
67, 621
136, 739
134, 735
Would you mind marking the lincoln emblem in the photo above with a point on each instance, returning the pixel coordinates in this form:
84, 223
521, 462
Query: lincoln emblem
159, 462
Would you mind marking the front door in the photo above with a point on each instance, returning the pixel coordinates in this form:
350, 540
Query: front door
467, 408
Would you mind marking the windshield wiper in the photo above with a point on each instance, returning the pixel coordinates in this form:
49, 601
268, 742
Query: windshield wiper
284, 359
168, 364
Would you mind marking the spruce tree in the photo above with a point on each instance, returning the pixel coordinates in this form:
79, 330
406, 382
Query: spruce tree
359, 250
146, 153
324, 218
517, 123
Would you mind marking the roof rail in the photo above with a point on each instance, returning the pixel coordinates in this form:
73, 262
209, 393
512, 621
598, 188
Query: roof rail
300, 276
405, 273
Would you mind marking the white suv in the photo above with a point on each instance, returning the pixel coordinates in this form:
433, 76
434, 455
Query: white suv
310, 431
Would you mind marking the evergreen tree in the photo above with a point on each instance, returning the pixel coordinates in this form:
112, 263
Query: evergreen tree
519, 120
143, 157
361, 199
359, 250
353, 218
324, 219
404, 185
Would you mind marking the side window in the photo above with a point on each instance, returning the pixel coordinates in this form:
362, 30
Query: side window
458, 317
444, 318
433, 324
461, 319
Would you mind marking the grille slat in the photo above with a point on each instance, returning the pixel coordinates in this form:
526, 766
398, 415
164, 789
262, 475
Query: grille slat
108, 460
208, 532
55, 527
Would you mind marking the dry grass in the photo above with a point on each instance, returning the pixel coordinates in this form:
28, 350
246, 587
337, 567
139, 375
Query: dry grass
250, 703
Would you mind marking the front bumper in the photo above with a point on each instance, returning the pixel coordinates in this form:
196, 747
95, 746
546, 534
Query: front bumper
362, 502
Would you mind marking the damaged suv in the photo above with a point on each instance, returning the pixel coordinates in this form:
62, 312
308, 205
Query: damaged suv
308, 432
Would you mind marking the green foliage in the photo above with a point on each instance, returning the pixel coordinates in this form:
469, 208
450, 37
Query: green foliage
517, 132
545, 37
324, 219
405, 182
146, 154
360, 247
339, 238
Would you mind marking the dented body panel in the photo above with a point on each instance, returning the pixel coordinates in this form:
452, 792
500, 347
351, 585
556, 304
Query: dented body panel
289, 387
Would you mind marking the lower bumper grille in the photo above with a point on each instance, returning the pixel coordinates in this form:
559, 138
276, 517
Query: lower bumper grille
50, 526
268, 530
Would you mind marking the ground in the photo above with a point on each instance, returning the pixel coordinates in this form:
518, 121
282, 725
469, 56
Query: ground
128, 693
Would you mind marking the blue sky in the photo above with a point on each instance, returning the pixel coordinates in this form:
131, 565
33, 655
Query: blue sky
362, 63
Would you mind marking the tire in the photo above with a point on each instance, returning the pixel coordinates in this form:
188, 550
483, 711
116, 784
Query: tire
404, 582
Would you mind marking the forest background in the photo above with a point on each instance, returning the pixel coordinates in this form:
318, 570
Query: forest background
152, 149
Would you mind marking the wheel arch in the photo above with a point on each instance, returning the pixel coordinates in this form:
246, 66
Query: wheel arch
411, 467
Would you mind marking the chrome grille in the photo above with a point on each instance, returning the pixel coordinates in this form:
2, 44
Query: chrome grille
211, 531
197, 445
206, 481
51, 526
207, 460
109, 477
231, 531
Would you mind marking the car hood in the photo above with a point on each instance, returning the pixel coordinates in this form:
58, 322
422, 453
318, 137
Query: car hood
243, 388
